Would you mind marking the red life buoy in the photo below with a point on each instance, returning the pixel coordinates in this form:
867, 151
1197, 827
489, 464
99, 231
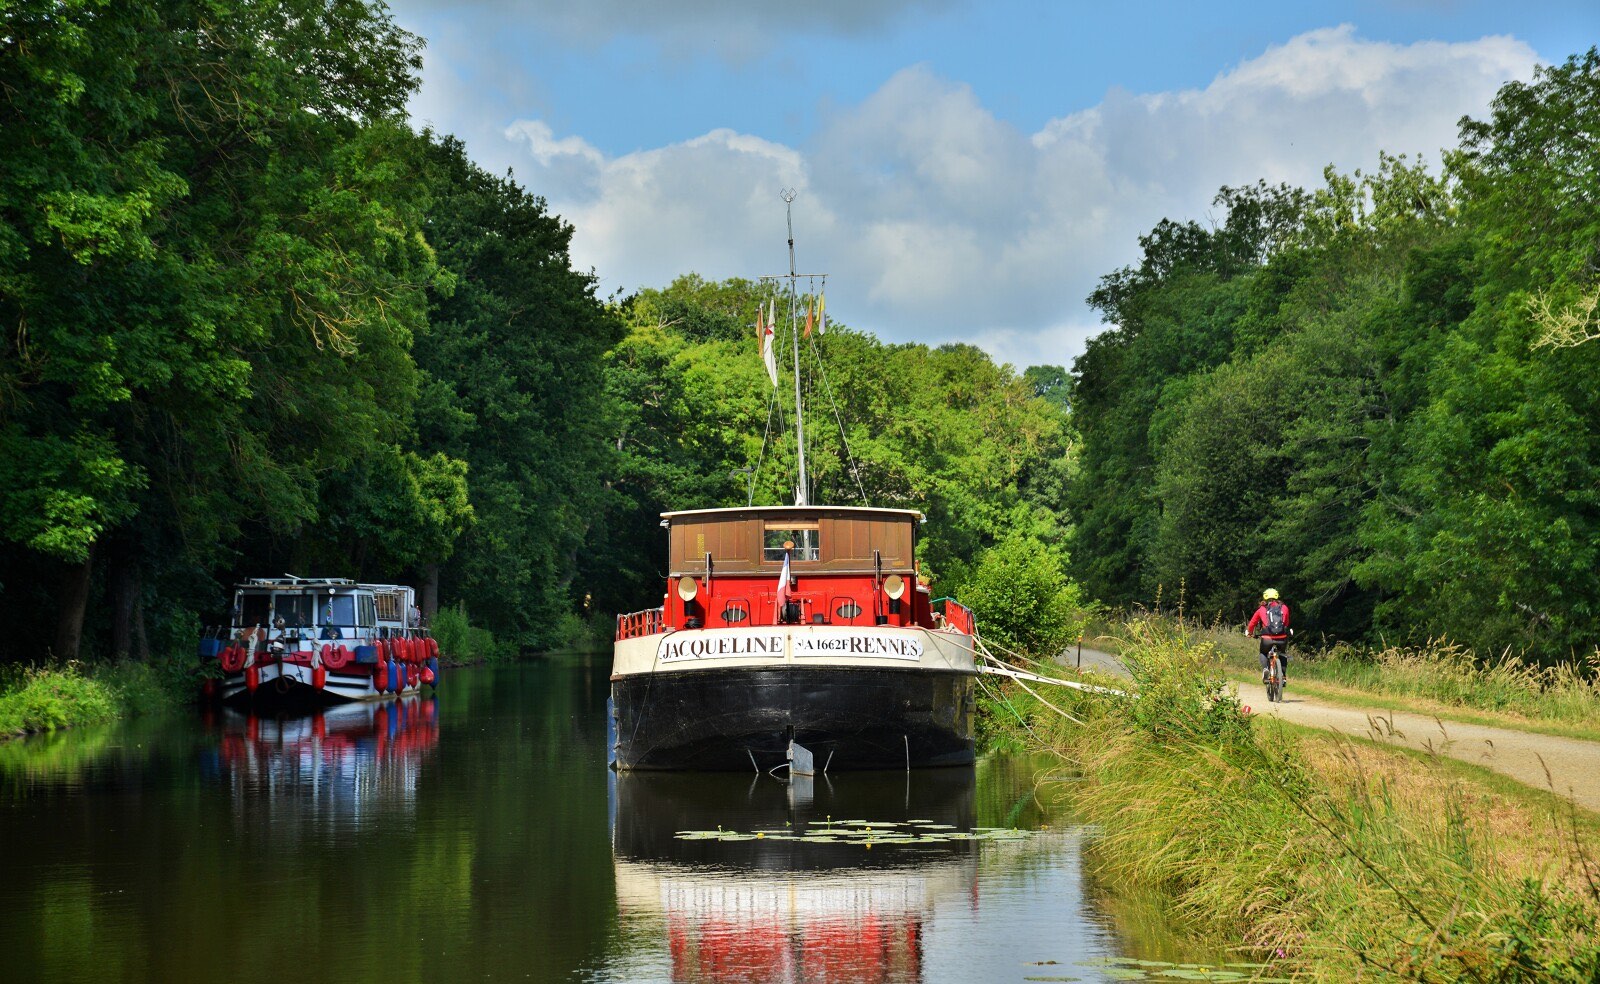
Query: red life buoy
380, 676
414, 675
319, 679
427, 675
336, 657
433, 647
252, 678
406, 648
232, 659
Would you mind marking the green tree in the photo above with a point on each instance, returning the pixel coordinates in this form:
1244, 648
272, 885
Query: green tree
512, 385
206, 214
1492, 534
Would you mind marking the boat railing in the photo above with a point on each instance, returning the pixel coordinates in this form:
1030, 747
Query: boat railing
326, 632
957, 617
651, 621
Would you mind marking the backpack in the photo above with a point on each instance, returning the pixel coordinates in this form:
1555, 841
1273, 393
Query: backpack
1275, 624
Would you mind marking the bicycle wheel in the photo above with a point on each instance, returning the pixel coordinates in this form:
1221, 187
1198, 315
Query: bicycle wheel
1274, 680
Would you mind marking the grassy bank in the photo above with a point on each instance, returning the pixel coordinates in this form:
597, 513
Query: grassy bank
47, 698
1333, 860
1441, 679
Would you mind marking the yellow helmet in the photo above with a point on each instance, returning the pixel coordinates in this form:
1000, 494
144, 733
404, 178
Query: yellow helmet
1271, 594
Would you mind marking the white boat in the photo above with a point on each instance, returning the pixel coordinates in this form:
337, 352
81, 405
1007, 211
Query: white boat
320, 639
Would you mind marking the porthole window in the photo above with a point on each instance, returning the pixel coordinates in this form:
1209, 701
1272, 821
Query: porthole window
847, 609
735, 612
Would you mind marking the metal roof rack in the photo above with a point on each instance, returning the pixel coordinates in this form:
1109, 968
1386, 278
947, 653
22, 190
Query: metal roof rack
290, 581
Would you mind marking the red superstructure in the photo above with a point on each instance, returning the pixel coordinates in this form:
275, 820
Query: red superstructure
847, 566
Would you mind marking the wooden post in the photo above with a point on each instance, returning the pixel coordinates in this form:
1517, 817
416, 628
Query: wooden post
1080, 651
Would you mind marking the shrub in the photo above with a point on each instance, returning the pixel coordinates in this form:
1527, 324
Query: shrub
461, 641
56, 697
1022, 598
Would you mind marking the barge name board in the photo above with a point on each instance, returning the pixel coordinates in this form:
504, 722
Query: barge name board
756, 642
722, 645
859, 644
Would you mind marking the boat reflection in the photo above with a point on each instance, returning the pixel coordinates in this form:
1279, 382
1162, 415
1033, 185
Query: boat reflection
778, 910
338, 763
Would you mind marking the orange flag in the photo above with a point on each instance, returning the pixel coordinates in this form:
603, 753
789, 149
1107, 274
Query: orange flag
809, 310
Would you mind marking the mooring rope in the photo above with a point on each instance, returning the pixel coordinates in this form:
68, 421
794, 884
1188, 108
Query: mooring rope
979, 643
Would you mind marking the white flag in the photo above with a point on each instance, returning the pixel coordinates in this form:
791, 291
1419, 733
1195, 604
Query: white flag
782, 597
768, 356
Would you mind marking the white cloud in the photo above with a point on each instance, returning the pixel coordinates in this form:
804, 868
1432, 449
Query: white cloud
939, 221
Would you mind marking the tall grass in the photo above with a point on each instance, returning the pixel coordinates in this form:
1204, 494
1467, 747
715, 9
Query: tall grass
50, 697
47, 698
1336, 861
1452, 675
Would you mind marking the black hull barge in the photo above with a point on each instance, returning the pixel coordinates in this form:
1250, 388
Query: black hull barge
793, 626
731, 719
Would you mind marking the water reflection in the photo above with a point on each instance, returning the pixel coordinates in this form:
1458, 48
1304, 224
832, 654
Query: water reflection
482, 838
337, 764
779, 909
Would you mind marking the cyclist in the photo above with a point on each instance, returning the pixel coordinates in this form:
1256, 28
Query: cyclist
1273, 618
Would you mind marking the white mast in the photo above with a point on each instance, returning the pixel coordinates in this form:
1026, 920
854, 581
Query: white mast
794, 330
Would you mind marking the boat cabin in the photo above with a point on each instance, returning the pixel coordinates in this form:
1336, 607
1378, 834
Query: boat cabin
847, 566
321, 609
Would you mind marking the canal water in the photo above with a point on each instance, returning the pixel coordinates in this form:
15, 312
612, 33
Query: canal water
479, 836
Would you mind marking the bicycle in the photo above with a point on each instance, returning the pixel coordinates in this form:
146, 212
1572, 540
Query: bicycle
1275, 675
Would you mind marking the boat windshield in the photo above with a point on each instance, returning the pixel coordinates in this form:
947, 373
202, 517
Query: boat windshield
297, 611
343, 610
255, 610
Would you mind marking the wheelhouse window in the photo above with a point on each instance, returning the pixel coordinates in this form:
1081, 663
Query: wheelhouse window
778, 537
295, 610
339, 610
255, 609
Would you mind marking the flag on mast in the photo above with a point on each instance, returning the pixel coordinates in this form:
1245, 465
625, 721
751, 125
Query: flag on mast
782, 597
768, 356
822, 318
809, 311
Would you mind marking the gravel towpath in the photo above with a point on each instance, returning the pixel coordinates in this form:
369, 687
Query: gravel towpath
1569, 766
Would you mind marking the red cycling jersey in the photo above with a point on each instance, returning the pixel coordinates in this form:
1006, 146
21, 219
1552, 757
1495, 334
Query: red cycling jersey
1260, 617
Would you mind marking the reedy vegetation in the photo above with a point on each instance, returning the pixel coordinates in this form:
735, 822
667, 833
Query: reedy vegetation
1332, 859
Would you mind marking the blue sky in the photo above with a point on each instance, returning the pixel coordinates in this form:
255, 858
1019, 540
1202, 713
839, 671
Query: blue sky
966, 171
